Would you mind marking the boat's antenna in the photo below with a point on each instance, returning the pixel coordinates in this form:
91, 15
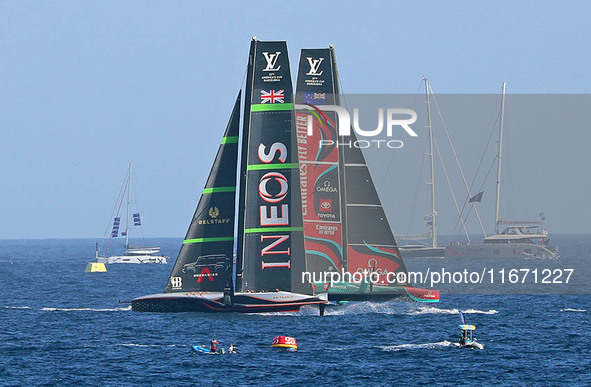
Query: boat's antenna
499, 158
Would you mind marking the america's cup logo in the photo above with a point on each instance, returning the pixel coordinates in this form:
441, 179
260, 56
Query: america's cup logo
314, 66
271, 61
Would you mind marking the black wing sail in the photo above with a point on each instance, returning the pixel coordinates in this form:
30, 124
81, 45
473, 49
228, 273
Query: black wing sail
270, 251
345, 224
319, 162
205, 260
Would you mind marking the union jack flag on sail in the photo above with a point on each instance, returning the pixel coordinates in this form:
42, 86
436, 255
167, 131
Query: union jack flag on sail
272, 96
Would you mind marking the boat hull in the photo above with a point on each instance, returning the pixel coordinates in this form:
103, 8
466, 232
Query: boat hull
206, 351
472, 345
422, 252
137, 259
214, 302
499, 250
379, 293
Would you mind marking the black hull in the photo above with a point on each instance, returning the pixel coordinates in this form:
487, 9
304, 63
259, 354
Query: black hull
383, 294
337, 297
251, 303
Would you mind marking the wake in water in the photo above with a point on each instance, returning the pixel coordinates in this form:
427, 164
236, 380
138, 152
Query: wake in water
435, 310
573, 310
344, 309
397, 308
50, 309
403, 347
87, 309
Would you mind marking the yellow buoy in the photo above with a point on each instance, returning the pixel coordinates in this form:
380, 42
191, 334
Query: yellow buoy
95, 267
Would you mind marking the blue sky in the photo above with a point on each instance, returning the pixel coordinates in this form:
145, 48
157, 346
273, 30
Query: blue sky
87, 86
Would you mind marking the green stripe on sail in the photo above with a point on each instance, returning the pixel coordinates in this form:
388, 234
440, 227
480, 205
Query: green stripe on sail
202, 240
258, 167
230, 140
272, 229
219, 189
269, 107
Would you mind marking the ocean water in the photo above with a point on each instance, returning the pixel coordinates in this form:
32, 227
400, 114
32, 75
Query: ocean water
60, 326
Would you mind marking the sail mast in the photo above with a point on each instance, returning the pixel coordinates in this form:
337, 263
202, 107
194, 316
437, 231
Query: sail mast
432, 182
341, 163
239, 266
127, 215
499, 156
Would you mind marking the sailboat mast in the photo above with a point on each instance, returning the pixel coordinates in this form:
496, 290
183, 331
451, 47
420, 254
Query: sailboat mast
431, 162
127, 215
500, 156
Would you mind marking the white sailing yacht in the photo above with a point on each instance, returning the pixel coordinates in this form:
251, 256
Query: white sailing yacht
518, 239
425, 246
133, 254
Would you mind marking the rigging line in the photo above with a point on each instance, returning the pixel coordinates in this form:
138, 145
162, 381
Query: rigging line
420, 175
479, 166
492, 164
489, 171
449, 183
466, 201
113, 213
118, 210
483, 155
456, 158
416, 95
414, 203
508, 194
385, 175
416, 195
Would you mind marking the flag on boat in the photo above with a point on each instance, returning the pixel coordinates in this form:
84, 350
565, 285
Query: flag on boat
477, 197
272, 96
542, 216
136, 219
115, 231
315, 98
123, 233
